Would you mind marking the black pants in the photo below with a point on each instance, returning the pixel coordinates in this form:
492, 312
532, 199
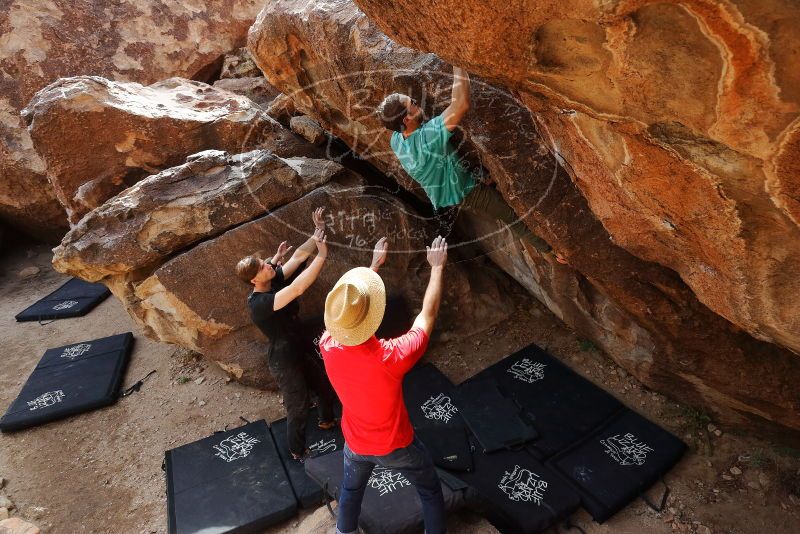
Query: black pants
298, 372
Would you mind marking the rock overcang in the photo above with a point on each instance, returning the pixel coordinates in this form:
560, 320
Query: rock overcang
617, 291
668, 113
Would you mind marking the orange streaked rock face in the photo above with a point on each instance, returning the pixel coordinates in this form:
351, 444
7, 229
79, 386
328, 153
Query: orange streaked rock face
627, 139
679, 121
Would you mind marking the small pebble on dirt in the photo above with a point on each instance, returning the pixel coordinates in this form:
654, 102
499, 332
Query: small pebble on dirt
735, 471
200, 380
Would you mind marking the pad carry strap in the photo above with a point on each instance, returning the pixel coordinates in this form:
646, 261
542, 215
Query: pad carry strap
660, 507
137, 386
327, 498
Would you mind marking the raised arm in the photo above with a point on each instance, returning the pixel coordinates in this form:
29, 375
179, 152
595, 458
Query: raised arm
283, 249
437, 257
306, 249
379, 254
307, 277
459, 102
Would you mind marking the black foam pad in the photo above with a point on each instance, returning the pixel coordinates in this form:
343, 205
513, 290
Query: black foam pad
493, 418
563, 406
85, 350
618, 462
75, 287
391, 504
428, 396
520, 494
74, 298
319, 442
231, 481
69, 380
449, 447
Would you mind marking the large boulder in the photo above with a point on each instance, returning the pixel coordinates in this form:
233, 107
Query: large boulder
120, 133
639, 311
167, 248
43, 40
174, 302
210, 193
681, 123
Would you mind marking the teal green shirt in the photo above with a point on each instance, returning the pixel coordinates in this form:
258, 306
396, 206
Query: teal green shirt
427, 156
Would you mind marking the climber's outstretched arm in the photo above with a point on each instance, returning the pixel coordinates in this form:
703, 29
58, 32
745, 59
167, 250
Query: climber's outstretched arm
459, 104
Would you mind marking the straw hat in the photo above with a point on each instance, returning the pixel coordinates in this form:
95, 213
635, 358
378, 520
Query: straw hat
354, 307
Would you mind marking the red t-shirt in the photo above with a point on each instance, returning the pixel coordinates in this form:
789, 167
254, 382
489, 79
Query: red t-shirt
369, 381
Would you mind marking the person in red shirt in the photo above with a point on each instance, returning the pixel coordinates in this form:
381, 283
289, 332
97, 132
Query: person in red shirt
367, 374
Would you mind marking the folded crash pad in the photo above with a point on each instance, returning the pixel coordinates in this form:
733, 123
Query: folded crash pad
319, 442
561, 405
231, 481
493, 418
69, 380
618, 462
75, 298
391, 504
428, 396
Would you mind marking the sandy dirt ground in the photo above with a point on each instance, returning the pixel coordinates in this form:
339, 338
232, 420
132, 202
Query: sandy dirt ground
101, 471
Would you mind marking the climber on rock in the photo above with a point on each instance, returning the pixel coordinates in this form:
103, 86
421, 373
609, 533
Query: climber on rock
423, 150
292, 358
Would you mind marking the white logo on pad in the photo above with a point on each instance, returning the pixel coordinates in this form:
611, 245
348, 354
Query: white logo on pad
527, 370
523, 485
67, 304
45, 400
626, 450
322, 446
76, 350
235, 447
439, 408
386, 481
